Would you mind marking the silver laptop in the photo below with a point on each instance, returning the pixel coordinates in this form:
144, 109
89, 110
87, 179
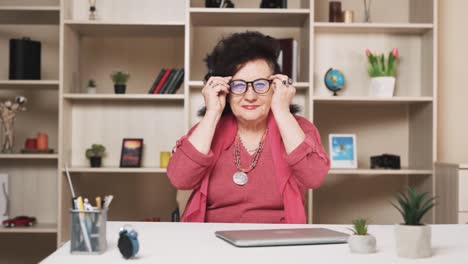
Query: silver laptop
282, 237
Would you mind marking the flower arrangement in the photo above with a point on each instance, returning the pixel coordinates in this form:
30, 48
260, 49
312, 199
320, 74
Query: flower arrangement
379, 67
8, 110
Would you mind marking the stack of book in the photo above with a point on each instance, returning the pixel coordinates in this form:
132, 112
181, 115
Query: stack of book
288, 59
168, 81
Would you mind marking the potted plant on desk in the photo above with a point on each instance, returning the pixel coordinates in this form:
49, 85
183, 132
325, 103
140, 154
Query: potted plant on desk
382, 73
361, 241
94, 154
413, 239
120, 79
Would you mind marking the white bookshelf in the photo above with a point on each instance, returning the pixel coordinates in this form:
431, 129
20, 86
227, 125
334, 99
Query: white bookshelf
29, 156
383, 28
379, 172
125, 97
36, 229
125, 29
115, 170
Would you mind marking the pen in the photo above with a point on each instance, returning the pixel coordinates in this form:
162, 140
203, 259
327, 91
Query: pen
98, 202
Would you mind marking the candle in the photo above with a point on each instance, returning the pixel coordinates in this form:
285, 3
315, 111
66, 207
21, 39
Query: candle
348, 16
334, 14
31, 143
42, 141
164, 159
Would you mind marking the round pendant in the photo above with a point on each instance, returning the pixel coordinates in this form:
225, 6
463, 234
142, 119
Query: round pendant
240, 178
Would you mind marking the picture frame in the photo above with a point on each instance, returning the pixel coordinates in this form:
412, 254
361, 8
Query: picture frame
343, 151
132, 150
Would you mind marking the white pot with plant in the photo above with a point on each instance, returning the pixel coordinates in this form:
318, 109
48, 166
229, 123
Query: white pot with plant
382, 73
361, 241
413, 239
92, 86
120, 79
95, 154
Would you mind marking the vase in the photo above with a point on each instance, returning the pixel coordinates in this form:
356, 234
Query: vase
92, 90
413, 241
382, 86
362, 244
120, 88
95, 162
8, 135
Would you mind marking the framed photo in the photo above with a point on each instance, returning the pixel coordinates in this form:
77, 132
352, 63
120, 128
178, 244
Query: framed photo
132, 149
343, 152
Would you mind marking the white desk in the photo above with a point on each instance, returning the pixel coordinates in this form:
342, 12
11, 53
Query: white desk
164, 243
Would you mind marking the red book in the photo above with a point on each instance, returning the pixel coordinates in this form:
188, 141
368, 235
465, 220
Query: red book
163, 80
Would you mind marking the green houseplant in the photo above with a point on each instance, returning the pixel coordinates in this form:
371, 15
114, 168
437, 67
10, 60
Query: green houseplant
95, 154
413, 238
382, 72
120, 79
361, 241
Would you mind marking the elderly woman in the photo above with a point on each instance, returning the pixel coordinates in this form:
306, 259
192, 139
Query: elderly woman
249, 159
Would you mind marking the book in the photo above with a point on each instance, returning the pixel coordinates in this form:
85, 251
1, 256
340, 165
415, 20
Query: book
288, 57
156, 81
161, 82
178, 82
172, 83
166, 83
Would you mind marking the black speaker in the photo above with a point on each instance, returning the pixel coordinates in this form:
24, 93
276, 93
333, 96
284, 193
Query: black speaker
25, 59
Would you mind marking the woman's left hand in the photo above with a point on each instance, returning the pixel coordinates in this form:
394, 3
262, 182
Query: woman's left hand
283, 93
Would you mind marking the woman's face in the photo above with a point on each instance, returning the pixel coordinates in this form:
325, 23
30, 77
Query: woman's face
252, 106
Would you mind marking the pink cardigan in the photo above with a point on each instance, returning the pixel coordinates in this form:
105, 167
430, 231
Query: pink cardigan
224, 136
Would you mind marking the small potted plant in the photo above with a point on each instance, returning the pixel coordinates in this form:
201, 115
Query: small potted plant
91, 86
120, 79
382, 73
361, 241
413, 239
95, 154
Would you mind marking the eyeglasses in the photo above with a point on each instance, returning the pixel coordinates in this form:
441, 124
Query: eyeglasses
260, 86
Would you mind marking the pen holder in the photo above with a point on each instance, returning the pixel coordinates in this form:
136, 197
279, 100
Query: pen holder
88, 232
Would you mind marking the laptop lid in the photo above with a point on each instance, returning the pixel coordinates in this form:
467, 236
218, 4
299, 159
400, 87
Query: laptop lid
281, 237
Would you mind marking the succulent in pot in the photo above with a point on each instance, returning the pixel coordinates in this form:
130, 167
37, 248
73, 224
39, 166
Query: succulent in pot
361, 241
95, 154
120, 79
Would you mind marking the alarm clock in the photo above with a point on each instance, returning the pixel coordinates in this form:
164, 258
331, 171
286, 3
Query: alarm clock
128, 242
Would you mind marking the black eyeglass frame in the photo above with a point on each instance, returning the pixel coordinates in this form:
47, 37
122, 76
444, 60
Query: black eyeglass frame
252, 84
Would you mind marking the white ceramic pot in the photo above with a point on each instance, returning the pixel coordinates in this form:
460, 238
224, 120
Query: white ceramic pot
413, 241
91, 90
362, 244
382, 86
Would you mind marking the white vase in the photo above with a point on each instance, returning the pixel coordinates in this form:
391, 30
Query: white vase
91, 90
382, 86
362, 244
413, 241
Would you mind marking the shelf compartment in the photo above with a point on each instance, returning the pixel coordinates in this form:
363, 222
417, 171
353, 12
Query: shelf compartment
29, 84
378, 172
38, 228
116, 29
38, 15
29, 156
251, 17
371, 100
386, 28
124, 97
115, 170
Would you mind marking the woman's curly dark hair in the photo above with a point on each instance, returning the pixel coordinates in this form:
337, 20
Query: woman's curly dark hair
234, 51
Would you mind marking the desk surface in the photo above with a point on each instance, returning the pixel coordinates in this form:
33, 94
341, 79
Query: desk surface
196, 243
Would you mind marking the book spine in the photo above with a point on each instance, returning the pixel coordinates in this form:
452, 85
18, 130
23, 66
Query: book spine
163, 80
166, 84
172, 81
178, 82
156, 81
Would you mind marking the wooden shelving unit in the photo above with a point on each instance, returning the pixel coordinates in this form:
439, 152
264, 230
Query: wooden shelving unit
29, 156
39, 228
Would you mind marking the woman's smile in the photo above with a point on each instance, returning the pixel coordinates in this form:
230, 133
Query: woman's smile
250, 107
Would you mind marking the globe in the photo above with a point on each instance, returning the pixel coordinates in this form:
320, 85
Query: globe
334, 80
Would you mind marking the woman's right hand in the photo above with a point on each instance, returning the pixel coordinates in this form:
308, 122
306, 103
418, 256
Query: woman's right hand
214, 93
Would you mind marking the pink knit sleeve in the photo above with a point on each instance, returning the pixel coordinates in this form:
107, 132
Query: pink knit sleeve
187, 166
309, 161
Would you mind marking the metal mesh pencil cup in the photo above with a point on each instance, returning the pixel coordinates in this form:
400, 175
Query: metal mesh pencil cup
88, 231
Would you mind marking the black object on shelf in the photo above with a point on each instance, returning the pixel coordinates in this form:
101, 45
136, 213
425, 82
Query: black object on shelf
25, 59
385, 161
274, 4
334, 12
219, 3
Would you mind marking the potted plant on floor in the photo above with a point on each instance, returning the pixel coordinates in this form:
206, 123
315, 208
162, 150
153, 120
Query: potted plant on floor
91, 86
95, 154
413, 239
361, 241
120, 79
382, 73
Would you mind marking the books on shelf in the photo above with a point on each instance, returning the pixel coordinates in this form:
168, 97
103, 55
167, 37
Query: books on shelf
168, 81
288, 58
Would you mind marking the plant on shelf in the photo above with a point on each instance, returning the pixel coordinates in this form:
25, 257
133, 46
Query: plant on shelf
120, 79
413, 238
361, 241
91, 86
382, 72
95, 154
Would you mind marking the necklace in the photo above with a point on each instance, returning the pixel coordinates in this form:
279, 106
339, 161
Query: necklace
240, 177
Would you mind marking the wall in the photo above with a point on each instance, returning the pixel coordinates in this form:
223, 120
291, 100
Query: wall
453, 91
